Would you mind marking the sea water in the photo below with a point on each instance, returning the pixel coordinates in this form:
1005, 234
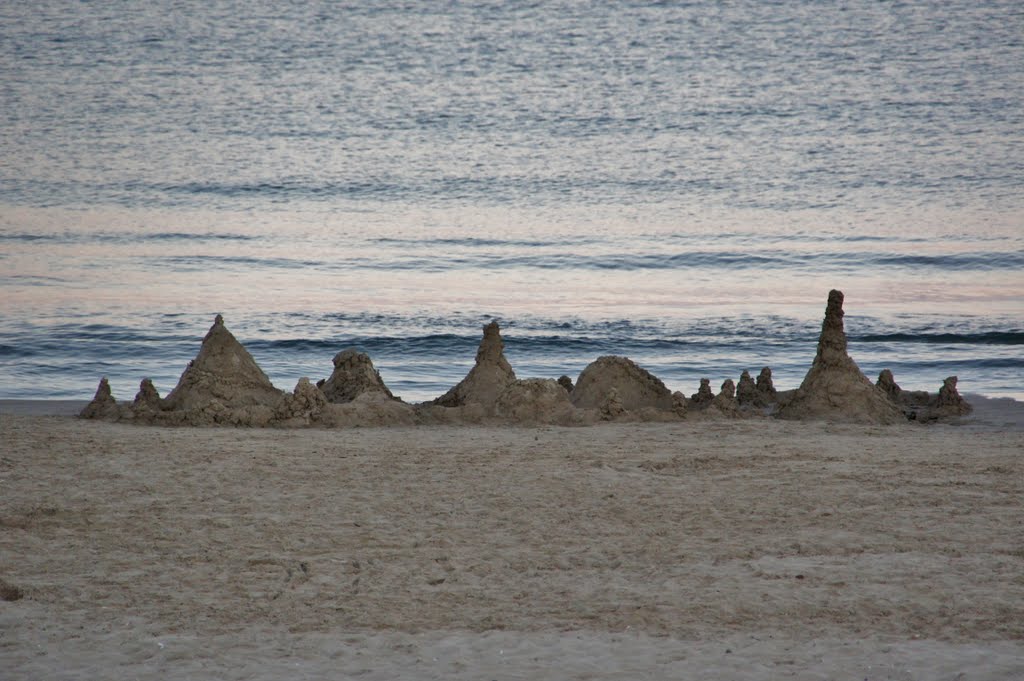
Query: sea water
678, 182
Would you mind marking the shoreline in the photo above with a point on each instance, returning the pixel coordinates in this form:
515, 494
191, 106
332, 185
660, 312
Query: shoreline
23, 407
990, 413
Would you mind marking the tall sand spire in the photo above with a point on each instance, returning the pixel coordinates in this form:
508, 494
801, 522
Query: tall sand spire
488, 378
834, 388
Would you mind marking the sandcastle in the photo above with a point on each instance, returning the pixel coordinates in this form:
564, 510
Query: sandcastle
224, 385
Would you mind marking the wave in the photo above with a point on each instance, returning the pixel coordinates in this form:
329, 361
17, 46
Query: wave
725, 260
985, 338
430, 344
123, 237
202, 261
421, 357
478, 242
980, 260
739, 252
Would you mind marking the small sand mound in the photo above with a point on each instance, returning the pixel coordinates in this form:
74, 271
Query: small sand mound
369, 410
915, 404
611, 405
103, 405
534, 400
680, 405
488, 378
636, 387
834, 388
223, 384
354, 375
303, 406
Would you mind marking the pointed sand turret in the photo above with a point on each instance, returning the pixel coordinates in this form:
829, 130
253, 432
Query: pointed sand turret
766, 387
147, 399
949, 402
725, 401
223, 374
103, 405
488, 378
834, 388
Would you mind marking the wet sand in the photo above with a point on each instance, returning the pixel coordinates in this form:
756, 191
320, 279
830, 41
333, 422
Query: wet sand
740, 549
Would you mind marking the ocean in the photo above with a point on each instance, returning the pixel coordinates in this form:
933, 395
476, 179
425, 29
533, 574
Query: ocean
681, 183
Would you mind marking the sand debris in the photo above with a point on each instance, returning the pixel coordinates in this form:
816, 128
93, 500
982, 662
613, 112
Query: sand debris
535, 400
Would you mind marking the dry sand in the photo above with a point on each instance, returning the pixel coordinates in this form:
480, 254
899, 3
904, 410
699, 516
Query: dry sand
698, 550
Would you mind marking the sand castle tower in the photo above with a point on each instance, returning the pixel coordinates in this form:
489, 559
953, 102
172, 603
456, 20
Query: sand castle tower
147, 400
949, 402
834, 388
746, 391
103, 404
704, 396
488, 378
725, 401
766, 386
223, 372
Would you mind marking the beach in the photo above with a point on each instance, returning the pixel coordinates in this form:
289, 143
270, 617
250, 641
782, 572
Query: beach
748, 549
253, 247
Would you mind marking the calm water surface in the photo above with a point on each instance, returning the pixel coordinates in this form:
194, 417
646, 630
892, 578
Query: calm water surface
681, 183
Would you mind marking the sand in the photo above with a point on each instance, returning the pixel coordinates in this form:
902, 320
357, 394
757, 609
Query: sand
727, 549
